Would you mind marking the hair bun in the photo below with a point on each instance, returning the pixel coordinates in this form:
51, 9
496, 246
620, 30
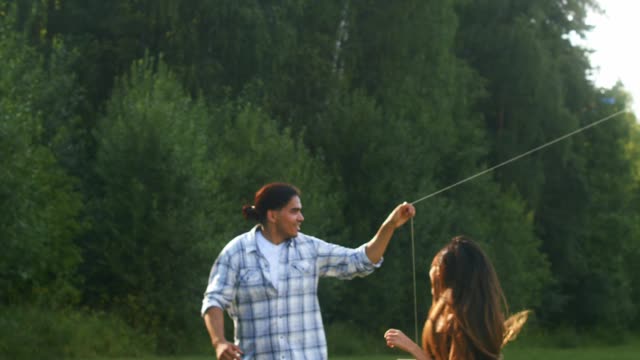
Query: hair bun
249, 212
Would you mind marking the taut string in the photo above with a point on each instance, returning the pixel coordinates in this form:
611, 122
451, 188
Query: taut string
413, 251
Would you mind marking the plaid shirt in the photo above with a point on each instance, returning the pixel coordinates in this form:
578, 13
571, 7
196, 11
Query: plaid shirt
282, 323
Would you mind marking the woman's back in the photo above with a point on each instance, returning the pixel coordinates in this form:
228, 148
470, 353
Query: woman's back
467, 316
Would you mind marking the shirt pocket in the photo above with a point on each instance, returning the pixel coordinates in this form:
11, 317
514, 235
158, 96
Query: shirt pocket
302, 277
301, 267
252, 286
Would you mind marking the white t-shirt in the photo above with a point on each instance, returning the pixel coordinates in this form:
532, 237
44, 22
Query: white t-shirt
270, 251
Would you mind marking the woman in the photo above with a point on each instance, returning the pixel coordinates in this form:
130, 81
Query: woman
466, 320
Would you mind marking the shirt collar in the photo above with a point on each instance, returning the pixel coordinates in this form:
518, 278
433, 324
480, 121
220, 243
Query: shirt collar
252, 243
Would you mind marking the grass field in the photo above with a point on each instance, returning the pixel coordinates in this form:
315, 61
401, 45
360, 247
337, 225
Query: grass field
625, 352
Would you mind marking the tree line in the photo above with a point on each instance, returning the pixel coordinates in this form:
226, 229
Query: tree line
132, 132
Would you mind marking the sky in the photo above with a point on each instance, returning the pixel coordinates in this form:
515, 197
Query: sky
615, 44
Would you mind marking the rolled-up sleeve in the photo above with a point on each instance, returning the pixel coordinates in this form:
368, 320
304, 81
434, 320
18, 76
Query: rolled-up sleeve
222, 284
344, 263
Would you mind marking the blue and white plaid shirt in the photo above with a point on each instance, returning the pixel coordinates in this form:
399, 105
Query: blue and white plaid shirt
282, 323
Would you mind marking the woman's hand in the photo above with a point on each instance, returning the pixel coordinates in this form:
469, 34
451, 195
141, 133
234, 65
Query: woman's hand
397, 339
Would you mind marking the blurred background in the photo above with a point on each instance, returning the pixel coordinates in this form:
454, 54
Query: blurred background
133, 131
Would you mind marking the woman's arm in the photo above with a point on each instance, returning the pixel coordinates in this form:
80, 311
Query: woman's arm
396, 338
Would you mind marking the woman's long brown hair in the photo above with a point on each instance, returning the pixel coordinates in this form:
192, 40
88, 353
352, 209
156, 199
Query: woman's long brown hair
466, 320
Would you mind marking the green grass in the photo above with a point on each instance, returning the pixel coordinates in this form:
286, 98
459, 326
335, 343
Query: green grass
626, 352
623, 352
614, 353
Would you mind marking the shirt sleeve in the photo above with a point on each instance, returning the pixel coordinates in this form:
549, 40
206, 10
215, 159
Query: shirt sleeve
222, 283
343, 263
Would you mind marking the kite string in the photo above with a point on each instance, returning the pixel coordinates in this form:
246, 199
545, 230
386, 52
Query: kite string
413, 250
521, 156
415, 292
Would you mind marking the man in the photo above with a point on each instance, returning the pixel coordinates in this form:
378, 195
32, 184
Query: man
267, 279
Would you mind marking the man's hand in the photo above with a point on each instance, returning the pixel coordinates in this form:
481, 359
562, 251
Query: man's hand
401, 214
228, 351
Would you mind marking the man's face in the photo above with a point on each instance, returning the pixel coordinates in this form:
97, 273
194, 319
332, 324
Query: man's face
289, 218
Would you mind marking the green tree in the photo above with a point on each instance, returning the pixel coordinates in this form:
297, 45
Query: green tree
173, 177
401, 124
538, 90
151, 203
41, 208
601, 283
633, 238
247, 150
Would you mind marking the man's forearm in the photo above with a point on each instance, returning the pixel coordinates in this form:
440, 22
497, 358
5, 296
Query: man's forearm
214, 320
378, 245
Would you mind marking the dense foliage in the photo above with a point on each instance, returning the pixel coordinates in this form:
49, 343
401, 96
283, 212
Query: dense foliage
132, 132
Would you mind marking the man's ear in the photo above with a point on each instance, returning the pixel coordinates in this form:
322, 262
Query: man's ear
272, 216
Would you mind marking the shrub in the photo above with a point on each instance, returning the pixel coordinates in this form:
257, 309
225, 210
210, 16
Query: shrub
31, 332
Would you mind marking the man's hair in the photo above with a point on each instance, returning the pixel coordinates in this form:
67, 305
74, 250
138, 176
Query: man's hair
273, 196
